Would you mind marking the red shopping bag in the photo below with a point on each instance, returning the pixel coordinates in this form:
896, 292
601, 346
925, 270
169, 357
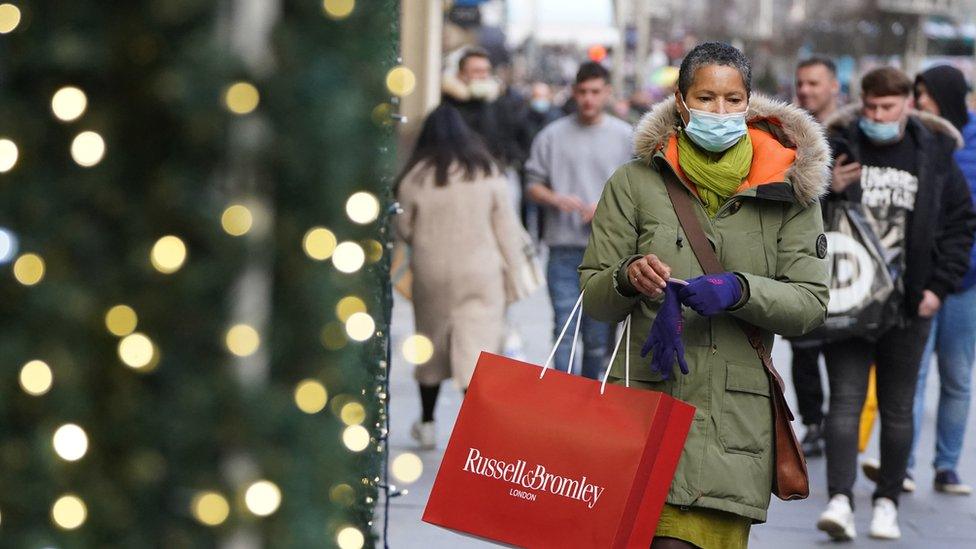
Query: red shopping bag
554, 461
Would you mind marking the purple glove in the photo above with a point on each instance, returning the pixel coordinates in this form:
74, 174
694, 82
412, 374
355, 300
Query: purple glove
664, 340
711, 294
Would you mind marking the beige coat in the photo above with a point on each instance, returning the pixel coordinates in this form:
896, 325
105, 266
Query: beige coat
464, 240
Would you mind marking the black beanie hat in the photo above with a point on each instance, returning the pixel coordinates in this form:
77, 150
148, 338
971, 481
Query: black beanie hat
947, 86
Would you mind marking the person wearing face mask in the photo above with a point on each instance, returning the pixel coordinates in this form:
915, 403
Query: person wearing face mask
540, 113
752, 169
478, 95
918, 204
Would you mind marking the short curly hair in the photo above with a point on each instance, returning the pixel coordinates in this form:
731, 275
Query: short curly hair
713, 53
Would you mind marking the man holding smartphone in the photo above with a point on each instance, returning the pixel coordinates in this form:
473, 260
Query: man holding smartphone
917, 202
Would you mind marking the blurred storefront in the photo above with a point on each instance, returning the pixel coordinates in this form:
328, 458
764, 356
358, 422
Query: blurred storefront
642, 41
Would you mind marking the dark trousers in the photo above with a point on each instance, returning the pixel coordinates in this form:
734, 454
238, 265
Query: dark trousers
807, 383
897, 354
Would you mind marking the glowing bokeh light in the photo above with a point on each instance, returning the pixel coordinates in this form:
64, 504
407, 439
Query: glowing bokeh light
69, 512
69, 103
70, 442
36, 378
242, 98
311, 396
88, 149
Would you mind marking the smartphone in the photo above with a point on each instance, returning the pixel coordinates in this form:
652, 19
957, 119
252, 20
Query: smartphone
839, 147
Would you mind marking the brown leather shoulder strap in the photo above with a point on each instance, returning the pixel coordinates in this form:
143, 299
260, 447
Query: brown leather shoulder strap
683, 208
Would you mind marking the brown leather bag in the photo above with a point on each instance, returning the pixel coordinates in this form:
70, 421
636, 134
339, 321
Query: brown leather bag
791, 480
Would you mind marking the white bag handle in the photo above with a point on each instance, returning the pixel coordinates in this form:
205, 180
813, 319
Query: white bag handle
572, 352
625, 334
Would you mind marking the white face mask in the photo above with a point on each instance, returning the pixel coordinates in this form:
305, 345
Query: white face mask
715, 132
483, 89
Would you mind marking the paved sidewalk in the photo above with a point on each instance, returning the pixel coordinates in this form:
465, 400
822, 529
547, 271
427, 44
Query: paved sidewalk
928, 519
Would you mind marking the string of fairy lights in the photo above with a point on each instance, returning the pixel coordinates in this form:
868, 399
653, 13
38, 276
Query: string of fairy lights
169, 254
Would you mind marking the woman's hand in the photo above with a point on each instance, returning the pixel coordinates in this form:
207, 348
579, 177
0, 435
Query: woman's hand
711, 294
649, 275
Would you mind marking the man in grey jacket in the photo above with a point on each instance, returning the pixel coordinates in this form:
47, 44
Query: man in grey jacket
567, 169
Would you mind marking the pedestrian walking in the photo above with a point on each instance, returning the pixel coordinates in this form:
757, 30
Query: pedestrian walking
570, 162
541, 113
817, 88
465, 240
941, 91
816, 92
485, 105
918, 205
754, 169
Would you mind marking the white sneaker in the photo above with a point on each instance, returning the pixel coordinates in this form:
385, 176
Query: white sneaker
425, 433
838, 519
908, 485
884, 522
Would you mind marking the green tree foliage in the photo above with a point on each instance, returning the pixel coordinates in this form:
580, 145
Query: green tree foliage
196, 418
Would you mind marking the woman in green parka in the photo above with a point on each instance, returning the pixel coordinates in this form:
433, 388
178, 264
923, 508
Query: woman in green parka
754, 168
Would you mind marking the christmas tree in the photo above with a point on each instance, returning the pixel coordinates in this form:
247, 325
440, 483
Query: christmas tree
194, 222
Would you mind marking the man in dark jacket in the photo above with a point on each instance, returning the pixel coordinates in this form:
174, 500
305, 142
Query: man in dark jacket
540, 113
918, 204
942, 91
489, 110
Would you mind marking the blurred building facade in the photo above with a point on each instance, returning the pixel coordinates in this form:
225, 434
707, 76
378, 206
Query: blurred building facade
642, 40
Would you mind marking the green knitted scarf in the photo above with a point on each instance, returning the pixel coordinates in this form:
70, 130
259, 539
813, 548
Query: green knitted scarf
715, 175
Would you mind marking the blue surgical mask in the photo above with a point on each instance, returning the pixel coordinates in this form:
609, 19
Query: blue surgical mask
880, 132
540, 105
715, 132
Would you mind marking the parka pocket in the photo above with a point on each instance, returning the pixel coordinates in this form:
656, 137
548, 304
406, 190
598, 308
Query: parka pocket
745, 252
746, 426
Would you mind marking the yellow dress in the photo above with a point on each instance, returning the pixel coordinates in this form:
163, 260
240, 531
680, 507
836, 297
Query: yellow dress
704, 528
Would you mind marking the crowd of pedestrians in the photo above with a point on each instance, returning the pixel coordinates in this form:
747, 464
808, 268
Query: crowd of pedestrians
779, 187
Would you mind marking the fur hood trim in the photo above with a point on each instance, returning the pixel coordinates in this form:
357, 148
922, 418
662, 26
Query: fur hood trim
794, 128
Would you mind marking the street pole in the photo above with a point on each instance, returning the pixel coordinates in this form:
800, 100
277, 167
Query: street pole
621, 9
643, 43
421, 31
917, 46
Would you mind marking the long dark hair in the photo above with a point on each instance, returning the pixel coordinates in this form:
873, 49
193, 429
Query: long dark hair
446, 139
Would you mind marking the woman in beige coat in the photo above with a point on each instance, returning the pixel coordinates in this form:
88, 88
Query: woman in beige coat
465, 242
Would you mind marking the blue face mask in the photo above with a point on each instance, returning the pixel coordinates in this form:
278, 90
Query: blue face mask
880, 132
540, 105
715, 132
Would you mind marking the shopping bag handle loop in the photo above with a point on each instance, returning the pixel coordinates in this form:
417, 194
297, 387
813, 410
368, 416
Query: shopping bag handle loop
624, 335
572, 352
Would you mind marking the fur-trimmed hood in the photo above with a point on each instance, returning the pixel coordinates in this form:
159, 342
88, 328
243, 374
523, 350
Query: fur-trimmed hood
791, 126
846, 115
